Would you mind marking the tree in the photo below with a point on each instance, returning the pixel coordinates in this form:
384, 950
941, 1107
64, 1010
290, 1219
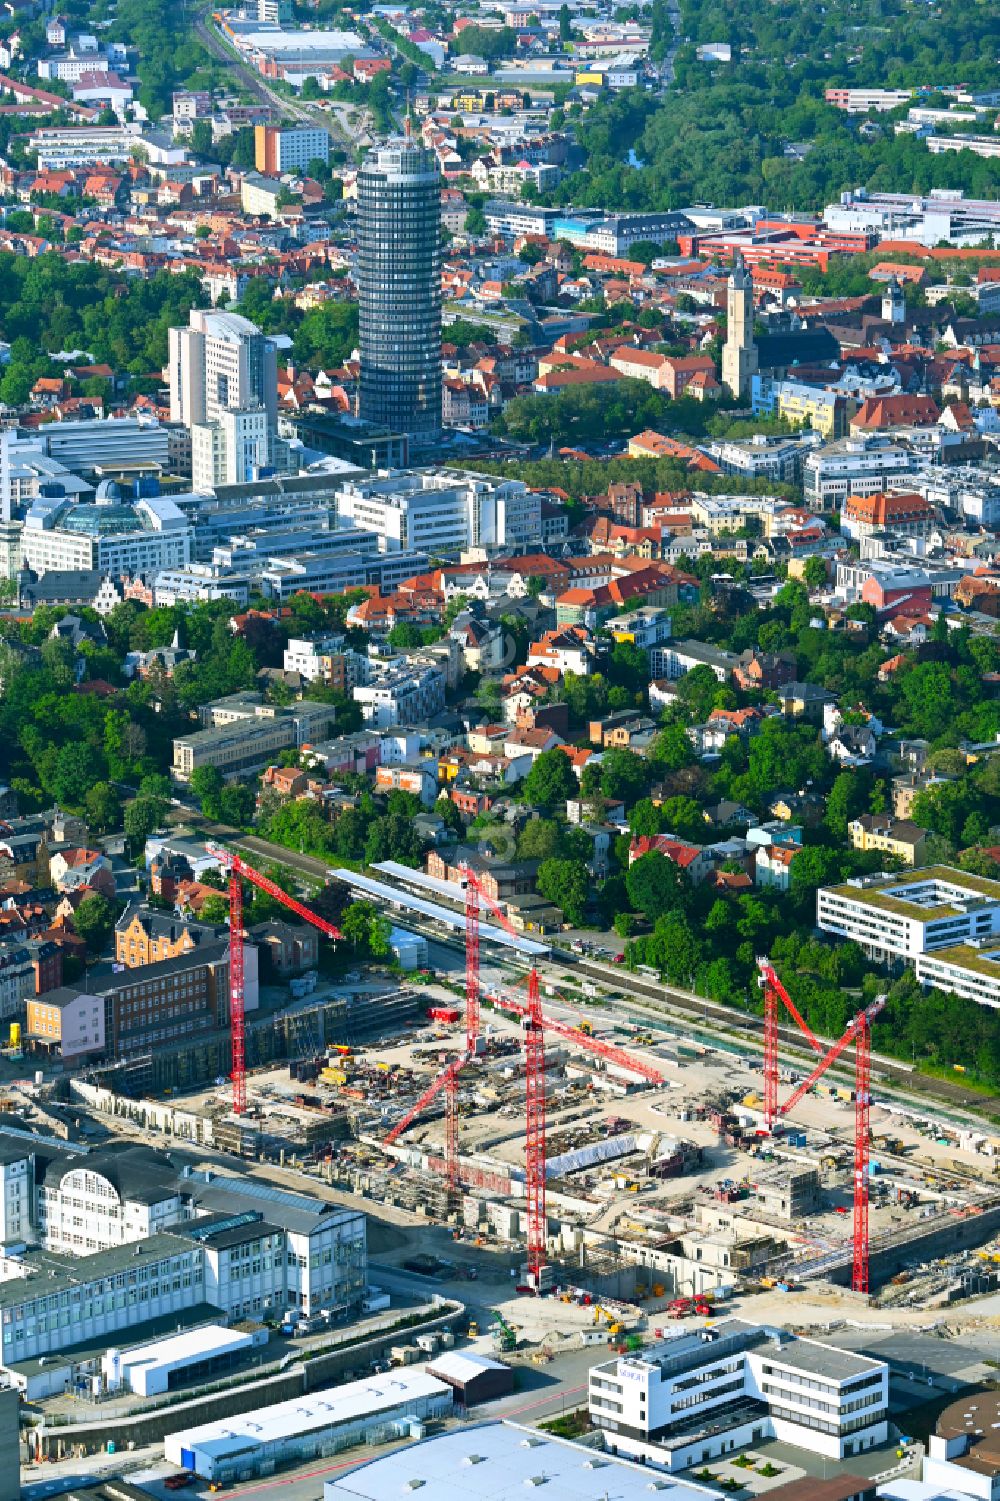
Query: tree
449, 815
94, 920
647, 818
624, 775
683, 817
551, 780
844, 801
75, 770
814, 573
366, 929
565, 25
237, 804
674, 949
206, 783
698, 693
102, 807
565, 883
214, 909
672, 749
393, 838
655, 885
540, 839
142, 817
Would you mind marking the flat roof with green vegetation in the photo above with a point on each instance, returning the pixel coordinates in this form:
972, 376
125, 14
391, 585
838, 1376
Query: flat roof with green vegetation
965, 956
891, 899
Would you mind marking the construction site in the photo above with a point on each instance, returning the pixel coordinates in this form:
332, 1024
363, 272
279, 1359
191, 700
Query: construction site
568, 1147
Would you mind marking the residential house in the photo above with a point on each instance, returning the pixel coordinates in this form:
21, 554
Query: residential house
693, 859
803, 700
889, 835
773, 865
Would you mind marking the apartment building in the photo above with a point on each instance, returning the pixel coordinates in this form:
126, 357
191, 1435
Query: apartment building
889, 835
144, 936
813, 406
326, 659
401, 695
704, 1395
720, 514
282, 149
763, 457
902, 513
679, 657
897, 918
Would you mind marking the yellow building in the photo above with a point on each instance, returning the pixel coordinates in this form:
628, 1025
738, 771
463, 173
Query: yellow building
890, 836
823, 411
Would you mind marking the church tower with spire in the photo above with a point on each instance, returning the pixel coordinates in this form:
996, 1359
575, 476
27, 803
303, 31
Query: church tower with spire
739, 353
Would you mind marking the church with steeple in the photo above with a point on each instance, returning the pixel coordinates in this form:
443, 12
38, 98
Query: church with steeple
739, 353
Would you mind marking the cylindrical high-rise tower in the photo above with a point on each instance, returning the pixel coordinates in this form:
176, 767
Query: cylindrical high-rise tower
399, 275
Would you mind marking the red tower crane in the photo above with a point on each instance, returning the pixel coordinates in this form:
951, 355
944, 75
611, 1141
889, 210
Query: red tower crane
775, 992
536, 1023
239, 871
858, 1032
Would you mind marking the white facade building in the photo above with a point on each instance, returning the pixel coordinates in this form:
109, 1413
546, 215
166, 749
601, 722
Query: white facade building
853, 466
244, 1246
255, 1442
968, 970
898, 918
117, 538
231, 450
703, 1395
16, 1188
401, 694
98, 1205
220, 361
45, 1310
447, 511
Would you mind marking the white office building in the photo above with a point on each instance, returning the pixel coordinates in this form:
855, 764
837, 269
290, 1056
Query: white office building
231, 450
16, 1190
969, 970
220, 361
245, 1247
444, 512
704, 1395
897, 918
69, 1301
854, 466
101, 1201
115, 537
61, 146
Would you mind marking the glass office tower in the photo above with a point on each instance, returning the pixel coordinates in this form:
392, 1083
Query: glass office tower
399, 274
